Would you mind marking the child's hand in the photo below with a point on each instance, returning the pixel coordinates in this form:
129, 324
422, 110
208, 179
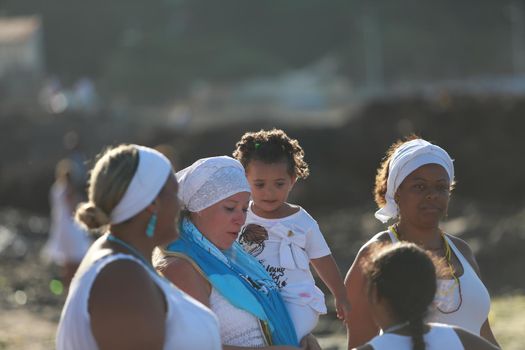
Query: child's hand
342, 306
309, 342
253, 233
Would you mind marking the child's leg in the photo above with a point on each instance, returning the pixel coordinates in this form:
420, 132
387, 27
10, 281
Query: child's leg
304, 318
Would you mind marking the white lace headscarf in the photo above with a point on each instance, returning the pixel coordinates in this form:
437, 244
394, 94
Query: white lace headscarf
407, 158
210, 180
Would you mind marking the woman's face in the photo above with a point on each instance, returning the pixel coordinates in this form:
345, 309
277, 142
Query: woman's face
221, 222
168, 207
423, 196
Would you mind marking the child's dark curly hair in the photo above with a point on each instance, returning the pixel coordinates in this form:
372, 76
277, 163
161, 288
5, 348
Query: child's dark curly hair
272, 146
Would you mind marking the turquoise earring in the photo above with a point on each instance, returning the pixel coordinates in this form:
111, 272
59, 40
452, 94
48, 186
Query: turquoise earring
150, 230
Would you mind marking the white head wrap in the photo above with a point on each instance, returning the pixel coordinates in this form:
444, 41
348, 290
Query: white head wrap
407, 158
210, 180
151, 175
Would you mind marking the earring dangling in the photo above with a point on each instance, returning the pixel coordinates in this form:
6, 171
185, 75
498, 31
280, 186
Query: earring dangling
150, 230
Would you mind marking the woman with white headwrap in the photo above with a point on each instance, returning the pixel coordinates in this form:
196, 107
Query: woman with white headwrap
117, 300
209, 264
413, 186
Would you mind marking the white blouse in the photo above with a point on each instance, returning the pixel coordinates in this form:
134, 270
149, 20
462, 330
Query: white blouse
189, 324
237, 327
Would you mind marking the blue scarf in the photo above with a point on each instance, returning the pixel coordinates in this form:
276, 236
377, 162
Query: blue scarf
239, 278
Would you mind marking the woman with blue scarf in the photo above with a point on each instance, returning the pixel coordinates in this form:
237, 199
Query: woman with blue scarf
208, 263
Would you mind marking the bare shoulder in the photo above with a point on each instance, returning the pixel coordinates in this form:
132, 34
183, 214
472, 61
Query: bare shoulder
465, 249
364, 251
180, 265
124, 297
119, 282
472, 341
187, 276
381, 238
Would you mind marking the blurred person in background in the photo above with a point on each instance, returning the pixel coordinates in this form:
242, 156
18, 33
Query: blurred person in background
73, 147
117, 300
413, 186
401, 281
68, 241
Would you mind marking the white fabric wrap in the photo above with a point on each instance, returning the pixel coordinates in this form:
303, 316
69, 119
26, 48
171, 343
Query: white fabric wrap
210, 180
291, 249
151, 175
407, 158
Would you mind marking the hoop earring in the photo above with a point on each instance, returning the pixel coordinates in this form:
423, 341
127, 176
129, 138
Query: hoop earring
150, 229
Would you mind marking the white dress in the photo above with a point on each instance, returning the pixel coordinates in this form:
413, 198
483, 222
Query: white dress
189, 324
292, 242
475, 304
68, 241
439, 337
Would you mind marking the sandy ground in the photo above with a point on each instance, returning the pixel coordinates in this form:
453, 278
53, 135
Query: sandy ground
21, 329
29, 311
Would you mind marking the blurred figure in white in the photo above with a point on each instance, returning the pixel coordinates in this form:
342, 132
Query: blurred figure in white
68, 241
85, 97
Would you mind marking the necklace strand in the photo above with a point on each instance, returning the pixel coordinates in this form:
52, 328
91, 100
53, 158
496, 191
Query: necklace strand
448, 259
132, 249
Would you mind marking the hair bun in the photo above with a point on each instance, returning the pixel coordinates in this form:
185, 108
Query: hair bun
91, 216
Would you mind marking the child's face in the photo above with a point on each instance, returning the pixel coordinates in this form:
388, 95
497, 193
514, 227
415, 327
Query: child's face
270, 184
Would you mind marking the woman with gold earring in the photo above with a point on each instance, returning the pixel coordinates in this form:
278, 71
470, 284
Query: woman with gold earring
413, 186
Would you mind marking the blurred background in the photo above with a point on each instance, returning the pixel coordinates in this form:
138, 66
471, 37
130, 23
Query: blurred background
346, 78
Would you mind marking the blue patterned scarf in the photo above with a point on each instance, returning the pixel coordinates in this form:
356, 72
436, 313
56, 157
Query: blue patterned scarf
239, 278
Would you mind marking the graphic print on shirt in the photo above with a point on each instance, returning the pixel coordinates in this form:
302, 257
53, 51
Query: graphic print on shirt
277, 273
252, 239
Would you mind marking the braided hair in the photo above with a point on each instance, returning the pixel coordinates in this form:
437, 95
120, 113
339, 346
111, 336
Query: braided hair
406, 276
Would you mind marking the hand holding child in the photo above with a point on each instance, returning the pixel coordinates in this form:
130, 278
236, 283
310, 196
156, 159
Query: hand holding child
342, 307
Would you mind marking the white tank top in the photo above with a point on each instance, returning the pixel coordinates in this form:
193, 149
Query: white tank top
189, 324
238, 327
439, 337
475, 305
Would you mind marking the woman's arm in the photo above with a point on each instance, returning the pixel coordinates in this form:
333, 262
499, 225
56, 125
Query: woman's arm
328, 271
127, 309
473, 342
360, 325
486, 332
182, 273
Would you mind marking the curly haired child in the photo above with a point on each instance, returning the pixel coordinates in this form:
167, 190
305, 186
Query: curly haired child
283, 236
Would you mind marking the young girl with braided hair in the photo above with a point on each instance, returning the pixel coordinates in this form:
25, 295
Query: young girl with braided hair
283, 236
401, 284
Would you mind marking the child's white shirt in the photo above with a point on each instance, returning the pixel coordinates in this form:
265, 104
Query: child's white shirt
292, 242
